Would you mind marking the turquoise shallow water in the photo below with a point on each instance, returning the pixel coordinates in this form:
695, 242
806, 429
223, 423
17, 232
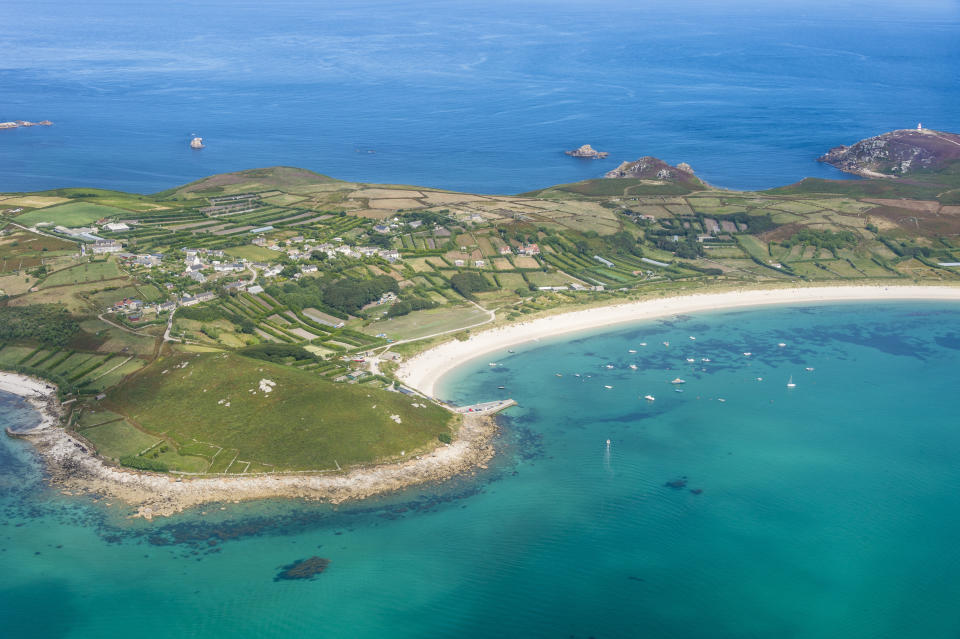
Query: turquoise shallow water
826, 510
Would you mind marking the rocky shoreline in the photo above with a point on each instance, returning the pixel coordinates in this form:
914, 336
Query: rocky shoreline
75, 469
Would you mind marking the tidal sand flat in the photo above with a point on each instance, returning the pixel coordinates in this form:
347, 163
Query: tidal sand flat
821, 510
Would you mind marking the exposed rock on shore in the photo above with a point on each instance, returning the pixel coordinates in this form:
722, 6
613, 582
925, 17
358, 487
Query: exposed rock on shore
896, 153
588, 152
72, 467
651, 168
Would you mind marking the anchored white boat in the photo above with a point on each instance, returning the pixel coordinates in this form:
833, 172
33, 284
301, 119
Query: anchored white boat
649, 398
679, 381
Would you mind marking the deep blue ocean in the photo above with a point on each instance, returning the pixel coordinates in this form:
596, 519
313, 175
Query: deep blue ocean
825, 510
475, 96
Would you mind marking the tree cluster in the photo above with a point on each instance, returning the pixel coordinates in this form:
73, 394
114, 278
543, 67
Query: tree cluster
49, 324
825, 238
468, 283
342, 294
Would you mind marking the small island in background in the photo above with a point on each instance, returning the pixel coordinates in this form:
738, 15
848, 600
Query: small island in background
587, 152
192, 333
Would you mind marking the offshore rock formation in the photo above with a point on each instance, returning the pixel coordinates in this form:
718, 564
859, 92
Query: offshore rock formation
588, 152
651, 168
304, 569
896, 153
19, 123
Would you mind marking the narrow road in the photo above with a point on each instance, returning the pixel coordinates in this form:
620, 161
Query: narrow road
120, 326
166, 333
374, 361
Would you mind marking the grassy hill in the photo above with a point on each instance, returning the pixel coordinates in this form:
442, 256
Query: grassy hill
212, 406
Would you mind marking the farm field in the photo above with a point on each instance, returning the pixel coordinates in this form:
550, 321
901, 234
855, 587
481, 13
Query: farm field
420, 323
70, 214
118, 439
252, 253
81, 273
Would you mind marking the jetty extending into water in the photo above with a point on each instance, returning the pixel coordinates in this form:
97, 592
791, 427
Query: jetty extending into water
487, 408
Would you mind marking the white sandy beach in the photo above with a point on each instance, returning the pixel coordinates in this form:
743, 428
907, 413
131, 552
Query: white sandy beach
40, 394
423, 371
74, 467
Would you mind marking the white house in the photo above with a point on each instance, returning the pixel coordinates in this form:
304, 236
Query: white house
106, 246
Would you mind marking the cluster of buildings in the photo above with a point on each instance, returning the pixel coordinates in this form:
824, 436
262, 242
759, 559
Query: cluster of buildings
133, 309
198, 260
297, 248
396, 224
524, 249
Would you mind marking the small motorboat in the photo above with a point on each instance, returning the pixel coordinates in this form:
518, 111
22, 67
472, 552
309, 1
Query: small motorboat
649, 398
632, 350
691, 360
608, 387
747, 354
679, 381
633, 366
